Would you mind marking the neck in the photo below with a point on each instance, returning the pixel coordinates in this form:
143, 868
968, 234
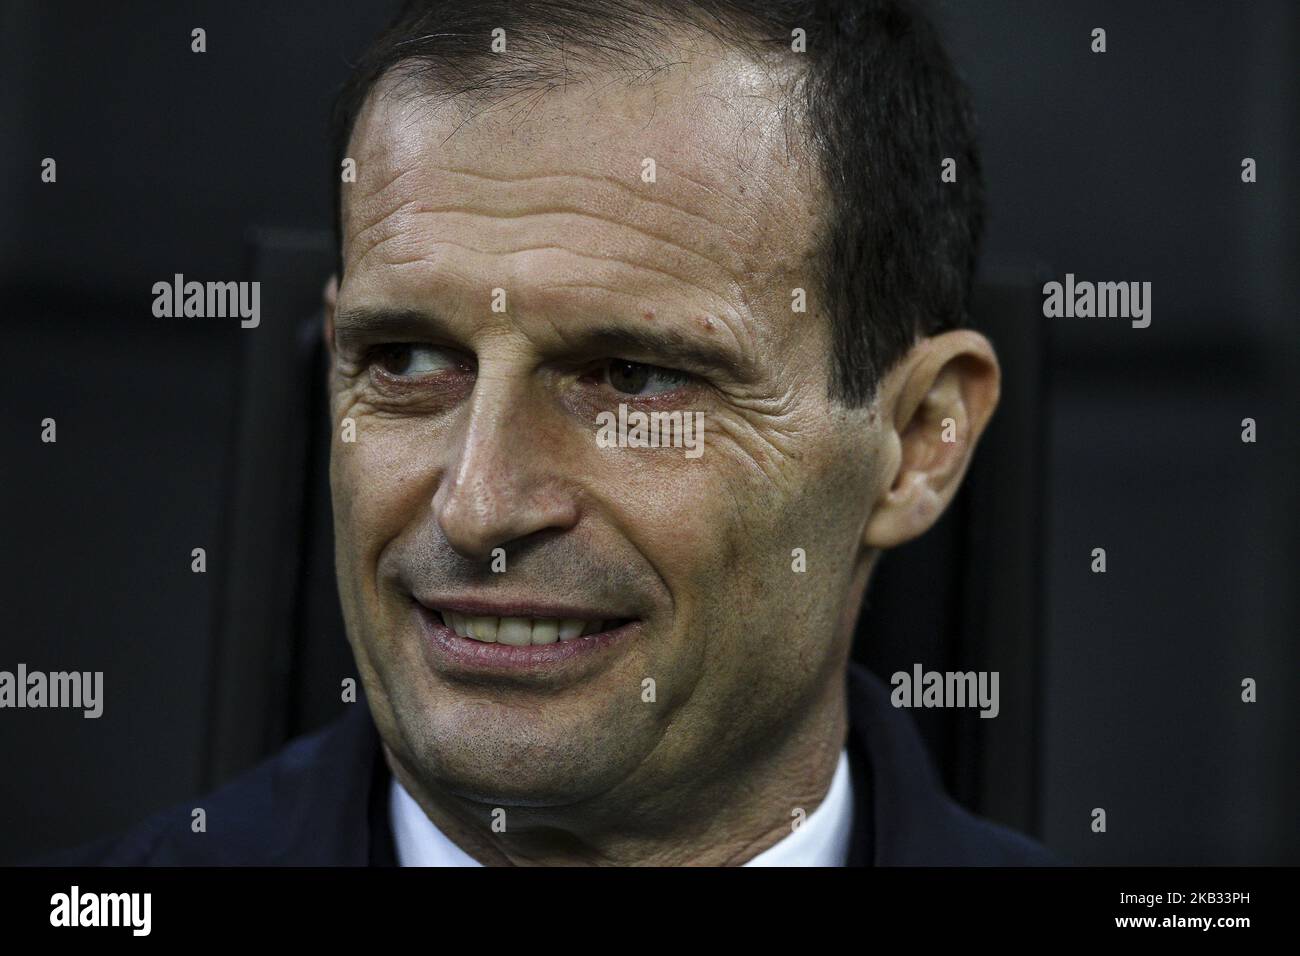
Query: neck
708, 819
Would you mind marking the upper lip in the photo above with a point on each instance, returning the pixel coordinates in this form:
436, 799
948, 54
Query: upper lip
478, 607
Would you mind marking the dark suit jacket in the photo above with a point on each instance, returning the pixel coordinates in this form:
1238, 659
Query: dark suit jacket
322, 801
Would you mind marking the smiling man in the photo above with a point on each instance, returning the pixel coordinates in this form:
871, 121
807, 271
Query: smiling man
578, 651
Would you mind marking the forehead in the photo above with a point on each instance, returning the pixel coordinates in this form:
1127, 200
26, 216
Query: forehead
733, 199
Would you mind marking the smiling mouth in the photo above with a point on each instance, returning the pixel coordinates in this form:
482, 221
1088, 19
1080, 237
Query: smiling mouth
524, 631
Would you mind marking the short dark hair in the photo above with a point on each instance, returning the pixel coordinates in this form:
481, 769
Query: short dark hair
883, 105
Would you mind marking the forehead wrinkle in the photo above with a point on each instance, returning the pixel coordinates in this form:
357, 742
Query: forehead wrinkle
770, 221
423, 259
639, 194
387, 218
735, 297
736, 246
603, 250
628, 241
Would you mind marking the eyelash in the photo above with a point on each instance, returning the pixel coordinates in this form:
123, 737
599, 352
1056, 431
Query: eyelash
375, 353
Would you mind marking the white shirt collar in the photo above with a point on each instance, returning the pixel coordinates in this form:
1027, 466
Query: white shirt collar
822, 839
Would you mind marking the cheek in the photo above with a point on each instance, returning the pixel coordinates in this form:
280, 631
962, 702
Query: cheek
710, 529
670, 508
780, 555
380, 485
718, 528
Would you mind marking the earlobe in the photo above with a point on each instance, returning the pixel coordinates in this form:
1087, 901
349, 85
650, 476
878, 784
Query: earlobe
905, 512
939, 401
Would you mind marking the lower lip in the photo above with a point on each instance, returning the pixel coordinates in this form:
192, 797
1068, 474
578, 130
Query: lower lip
454, 653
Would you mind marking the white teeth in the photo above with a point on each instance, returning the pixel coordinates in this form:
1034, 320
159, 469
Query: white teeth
520, 631
516, 631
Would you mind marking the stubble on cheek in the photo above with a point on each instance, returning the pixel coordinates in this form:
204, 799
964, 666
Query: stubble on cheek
787, 552
370, 508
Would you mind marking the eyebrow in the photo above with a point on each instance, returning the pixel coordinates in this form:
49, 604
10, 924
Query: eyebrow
668, 345
360, 323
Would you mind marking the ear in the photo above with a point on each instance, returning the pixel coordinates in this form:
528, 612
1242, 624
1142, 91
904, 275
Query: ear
330, 300
935, 404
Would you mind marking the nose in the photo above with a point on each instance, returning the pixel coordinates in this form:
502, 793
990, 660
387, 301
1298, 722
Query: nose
507, 482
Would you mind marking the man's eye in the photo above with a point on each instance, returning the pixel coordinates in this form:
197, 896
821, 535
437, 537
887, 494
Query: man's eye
408, 359
633, 378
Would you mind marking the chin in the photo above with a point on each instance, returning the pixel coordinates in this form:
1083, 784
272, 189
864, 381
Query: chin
499, 753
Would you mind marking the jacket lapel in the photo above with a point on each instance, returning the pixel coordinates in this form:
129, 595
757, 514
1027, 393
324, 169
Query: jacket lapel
328, 802
902, 816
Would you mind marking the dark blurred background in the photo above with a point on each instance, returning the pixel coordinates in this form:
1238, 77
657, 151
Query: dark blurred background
1116, 167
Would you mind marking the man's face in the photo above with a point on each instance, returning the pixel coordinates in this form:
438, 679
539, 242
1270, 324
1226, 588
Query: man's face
476, 438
